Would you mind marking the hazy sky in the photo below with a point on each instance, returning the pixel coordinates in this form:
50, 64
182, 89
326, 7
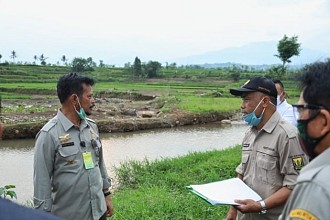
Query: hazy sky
117, 31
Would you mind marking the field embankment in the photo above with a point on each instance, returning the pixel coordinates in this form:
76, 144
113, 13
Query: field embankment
177, 97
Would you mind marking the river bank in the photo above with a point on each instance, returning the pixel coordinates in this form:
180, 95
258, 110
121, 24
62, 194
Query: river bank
24, 118
158, 189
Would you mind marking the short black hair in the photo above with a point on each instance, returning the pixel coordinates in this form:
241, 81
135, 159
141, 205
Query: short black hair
72, 84
277, 81
315, 81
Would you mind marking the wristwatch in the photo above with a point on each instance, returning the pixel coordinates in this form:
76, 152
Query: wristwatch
263, 207
107, 193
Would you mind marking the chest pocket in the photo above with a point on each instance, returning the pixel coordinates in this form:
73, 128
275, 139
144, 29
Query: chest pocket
67, 159
68, 151
267, 170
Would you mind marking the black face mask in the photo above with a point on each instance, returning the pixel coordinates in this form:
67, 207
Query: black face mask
308, 143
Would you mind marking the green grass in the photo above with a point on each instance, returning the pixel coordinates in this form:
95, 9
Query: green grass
195, 103
11, 95
194, 90
157, 190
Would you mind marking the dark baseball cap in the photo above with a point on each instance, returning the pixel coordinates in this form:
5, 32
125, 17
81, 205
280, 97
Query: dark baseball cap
257, 84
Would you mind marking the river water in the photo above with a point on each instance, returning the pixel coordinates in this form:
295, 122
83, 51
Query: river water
17, 155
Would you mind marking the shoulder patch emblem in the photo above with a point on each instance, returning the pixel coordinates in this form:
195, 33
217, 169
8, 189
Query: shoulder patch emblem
302, 214
298, 163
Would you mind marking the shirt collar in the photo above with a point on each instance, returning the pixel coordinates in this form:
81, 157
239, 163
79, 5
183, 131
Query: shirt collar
272, 122
66, 123
283, 103
319, 161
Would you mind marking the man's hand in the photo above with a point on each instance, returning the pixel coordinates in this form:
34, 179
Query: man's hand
248, 206
109, 206
232, 213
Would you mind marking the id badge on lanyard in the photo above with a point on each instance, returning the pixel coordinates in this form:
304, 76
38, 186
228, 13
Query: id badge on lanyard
88, 160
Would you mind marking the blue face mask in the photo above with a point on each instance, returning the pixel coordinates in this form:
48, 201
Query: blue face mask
82, 114
251, 119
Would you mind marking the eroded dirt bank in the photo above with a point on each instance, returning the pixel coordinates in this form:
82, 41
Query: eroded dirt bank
24, 118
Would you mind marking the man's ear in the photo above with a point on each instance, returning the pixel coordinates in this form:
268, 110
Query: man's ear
266, 101
325, 126
73, 99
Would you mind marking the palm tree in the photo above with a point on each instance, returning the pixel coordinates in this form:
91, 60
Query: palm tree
63, 59
35, 57
43, 59
13, 55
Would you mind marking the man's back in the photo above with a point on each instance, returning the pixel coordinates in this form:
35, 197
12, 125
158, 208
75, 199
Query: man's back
12, 211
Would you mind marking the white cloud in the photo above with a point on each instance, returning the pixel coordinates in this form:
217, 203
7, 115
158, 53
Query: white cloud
117, 31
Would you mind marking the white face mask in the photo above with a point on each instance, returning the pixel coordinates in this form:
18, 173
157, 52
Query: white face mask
278, 100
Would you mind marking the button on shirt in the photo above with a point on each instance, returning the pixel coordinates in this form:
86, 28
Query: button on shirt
271, 159
62, 184
310, 198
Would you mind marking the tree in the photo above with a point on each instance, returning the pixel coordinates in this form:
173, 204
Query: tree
64, 60
0, 57
35, 57
235, 73
152, 68
101, 64
172, 66
81, 64
287, 47
13, 55
90, 62
127, 65
276, 72
43, 59
137, 68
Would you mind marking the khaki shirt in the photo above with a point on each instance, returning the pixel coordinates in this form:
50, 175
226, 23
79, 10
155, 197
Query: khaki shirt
62, 184
271, 159
310, 198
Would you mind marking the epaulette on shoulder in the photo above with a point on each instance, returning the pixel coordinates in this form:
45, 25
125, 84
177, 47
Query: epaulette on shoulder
49, 125
289, 129
90, 120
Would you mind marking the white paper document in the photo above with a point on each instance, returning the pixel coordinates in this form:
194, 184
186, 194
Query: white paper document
224, 192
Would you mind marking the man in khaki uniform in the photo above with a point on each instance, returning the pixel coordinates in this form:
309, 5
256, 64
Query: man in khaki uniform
271, 154
70, 178
310, 199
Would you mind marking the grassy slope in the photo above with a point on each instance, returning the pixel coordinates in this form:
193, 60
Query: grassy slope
157, 190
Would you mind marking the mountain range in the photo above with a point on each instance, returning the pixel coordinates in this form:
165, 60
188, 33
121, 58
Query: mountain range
257, 53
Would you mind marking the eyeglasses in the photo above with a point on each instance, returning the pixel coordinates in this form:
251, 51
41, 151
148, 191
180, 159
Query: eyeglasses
298, 109
308, 106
